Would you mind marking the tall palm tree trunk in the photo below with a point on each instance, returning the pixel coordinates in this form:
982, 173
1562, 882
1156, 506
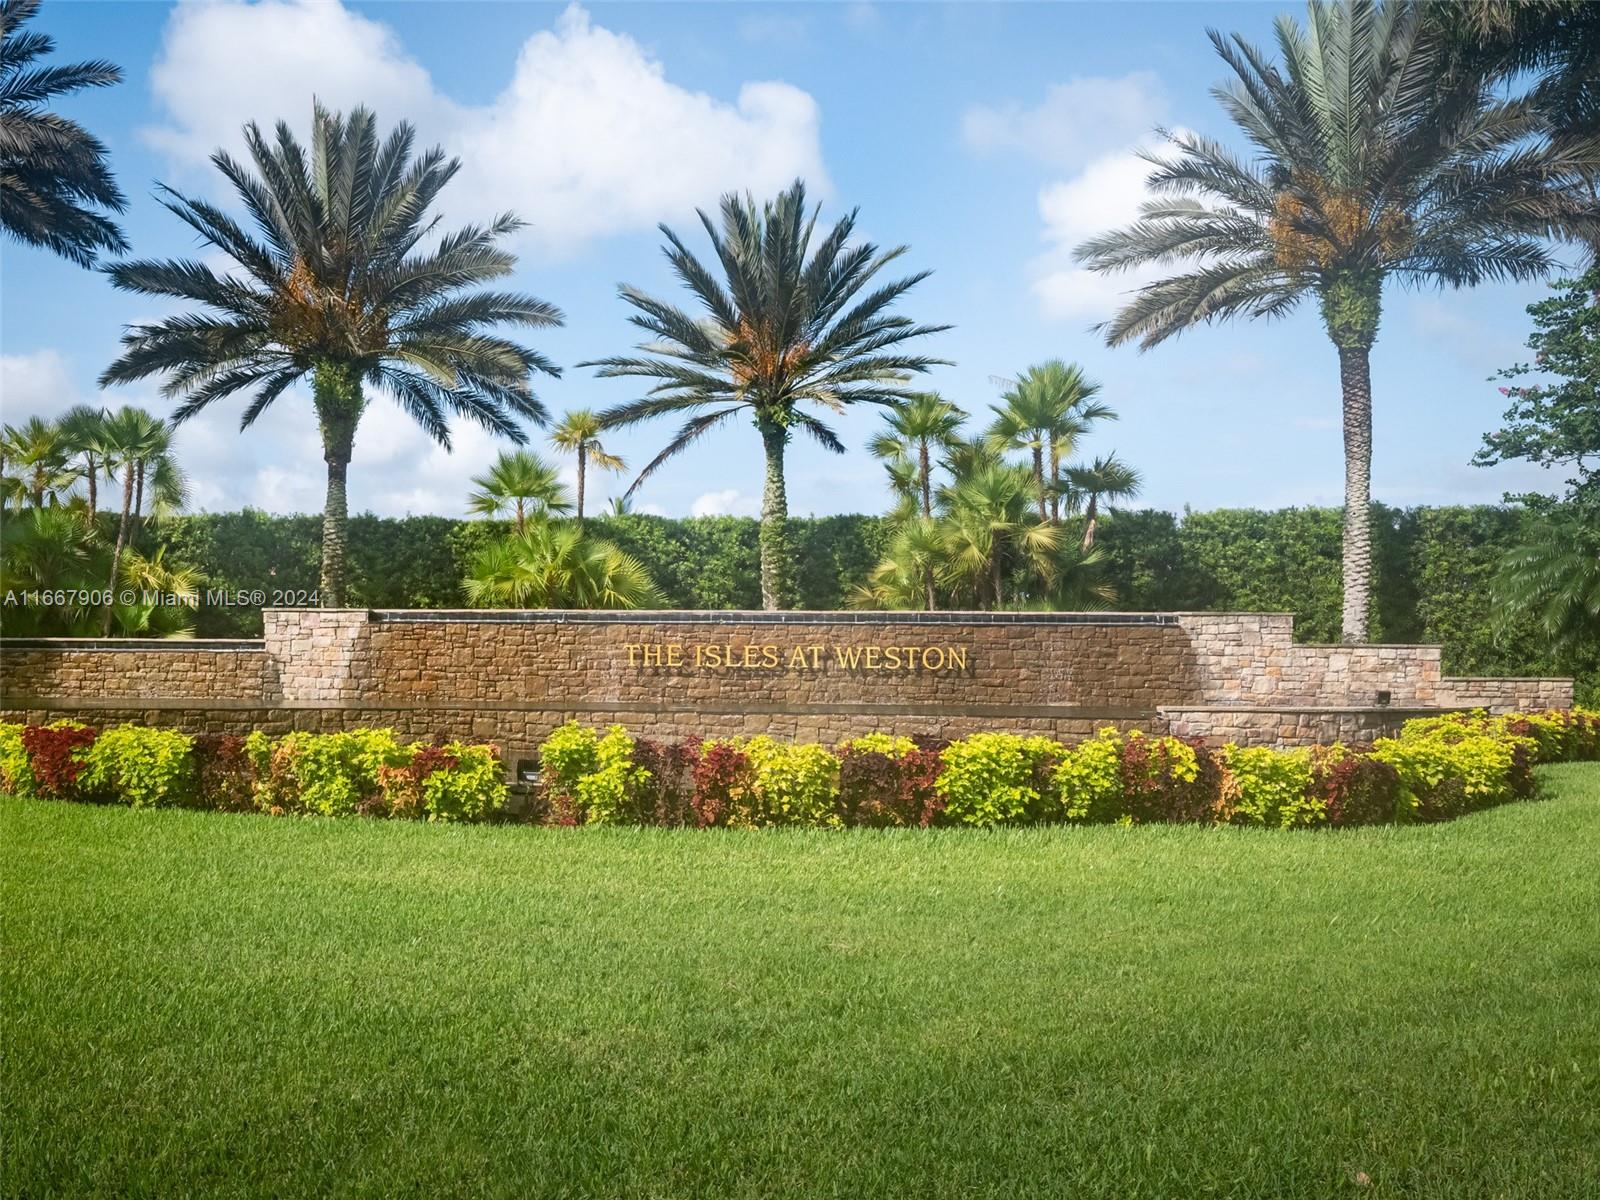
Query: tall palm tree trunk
1351, 306
925, 477
1038, 479
582, 455
116, 552
89, 477
1355, 380
775, 560
995, 571
337, 391
1088, 529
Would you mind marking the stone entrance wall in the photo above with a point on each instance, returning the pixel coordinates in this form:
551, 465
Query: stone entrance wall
510, 677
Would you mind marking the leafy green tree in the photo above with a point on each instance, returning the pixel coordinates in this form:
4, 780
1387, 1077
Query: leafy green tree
518, 482
1553, 579
1106, 478
35, 466
331, 285
1045, 412
787, 325
1377, 163
578, 433
556, 564
1556, 423
917, 429
53, 172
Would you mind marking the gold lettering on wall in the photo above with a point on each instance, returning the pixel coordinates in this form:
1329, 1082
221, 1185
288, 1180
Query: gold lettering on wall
769, 656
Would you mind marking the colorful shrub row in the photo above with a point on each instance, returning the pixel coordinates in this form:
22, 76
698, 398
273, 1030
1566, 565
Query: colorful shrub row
1436, 769
365, 771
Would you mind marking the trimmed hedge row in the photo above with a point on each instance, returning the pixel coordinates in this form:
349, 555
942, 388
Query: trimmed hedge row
365, 772
1438, 768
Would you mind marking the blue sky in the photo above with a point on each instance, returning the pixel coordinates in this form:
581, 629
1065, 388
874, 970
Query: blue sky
989, 138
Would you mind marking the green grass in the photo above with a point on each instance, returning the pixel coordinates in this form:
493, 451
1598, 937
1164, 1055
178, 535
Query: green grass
199, 1003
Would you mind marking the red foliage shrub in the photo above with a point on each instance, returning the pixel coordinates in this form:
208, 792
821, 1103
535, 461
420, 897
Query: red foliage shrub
722, 775
666, 797
1154, 790
880, 791
1357, 789
54, 760
223, 774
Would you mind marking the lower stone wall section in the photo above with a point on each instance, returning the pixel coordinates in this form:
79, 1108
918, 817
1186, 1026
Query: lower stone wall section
1248, 726
1502, 694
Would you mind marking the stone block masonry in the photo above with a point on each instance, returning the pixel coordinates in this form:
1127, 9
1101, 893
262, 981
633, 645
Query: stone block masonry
510, 677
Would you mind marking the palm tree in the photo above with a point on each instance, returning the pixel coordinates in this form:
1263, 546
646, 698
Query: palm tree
1554, 583
83, 427
1376, 163
553, 564
1105, 478
140, 446
37, 468
519, 481
905, 576
53, 172
579, 433
989, 524
1045, 412
924, 423
331, 284
786, 326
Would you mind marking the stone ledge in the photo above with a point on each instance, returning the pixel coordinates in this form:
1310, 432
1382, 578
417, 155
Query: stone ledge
553, 616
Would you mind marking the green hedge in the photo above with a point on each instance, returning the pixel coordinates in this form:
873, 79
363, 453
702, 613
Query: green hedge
1432, 566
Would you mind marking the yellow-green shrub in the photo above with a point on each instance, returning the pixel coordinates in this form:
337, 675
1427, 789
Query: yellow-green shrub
1262, 786
997, 778
879, 743
795, 784
140, 767
1450, 771
467, 789
16, 777
336, 772
1089, 779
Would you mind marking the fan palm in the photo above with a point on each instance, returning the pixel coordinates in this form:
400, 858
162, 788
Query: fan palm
1554, 582
1045, 412
519, 482
330, 285
579, 433
916, 428
786, 326
1375, 163
35, 462
83, 427
905, 576
1106, 478
139, 445
53, 172
554, 564
989, 524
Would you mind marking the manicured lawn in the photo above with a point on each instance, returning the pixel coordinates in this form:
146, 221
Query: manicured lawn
199, 1003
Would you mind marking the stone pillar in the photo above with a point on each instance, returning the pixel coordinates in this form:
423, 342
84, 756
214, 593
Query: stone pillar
322, 656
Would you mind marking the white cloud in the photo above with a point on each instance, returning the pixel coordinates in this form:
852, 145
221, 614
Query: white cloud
35, 385
729, 502
1105, 194
1081, 117
224, 64
588, 138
